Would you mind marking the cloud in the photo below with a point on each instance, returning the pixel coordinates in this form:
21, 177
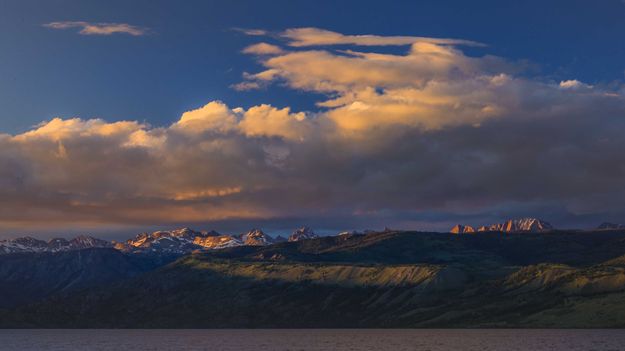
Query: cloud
573, 84
263, 49
324, 71
268, 121
424, 137
432, 86
244, 86
258, 121
214, 116
251, 31
300, 37
87, 28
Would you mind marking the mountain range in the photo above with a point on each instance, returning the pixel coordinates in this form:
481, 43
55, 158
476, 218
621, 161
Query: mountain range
186, 240
522, 225
530, 277
179, 241
28, 244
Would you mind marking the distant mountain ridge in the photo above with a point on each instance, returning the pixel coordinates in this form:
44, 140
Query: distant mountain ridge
175, 242
610, 226
185, 240
29, 244
520, 225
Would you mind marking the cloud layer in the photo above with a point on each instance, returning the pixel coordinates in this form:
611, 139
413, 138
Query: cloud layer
425, 137
88, 28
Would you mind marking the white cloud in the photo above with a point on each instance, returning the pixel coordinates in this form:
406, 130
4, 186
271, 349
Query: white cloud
87, 28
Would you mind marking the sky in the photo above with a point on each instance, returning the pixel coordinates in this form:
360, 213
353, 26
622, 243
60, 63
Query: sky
123, 116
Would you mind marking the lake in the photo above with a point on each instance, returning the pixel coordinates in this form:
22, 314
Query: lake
313, 339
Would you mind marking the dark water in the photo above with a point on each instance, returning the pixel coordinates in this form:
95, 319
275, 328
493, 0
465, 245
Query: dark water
296, 340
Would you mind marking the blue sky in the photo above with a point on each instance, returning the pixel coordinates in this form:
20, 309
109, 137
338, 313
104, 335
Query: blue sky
448, 112
192, 55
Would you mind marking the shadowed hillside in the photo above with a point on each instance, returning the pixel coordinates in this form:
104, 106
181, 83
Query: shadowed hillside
28, 277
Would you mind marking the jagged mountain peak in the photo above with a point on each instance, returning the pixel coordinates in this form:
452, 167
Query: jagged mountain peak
255, 231
302, 233
526, 224
186, 240
518, 225
181, 232
176, 241
85, 241
256, 237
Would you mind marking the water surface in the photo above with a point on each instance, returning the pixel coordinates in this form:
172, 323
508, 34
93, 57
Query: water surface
313, 340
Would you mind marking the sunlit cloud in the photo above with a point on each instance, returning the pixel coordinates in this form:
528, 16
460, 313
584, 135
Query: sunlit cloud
263, 49
573, 84
88, 28
300, 37
432, 86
